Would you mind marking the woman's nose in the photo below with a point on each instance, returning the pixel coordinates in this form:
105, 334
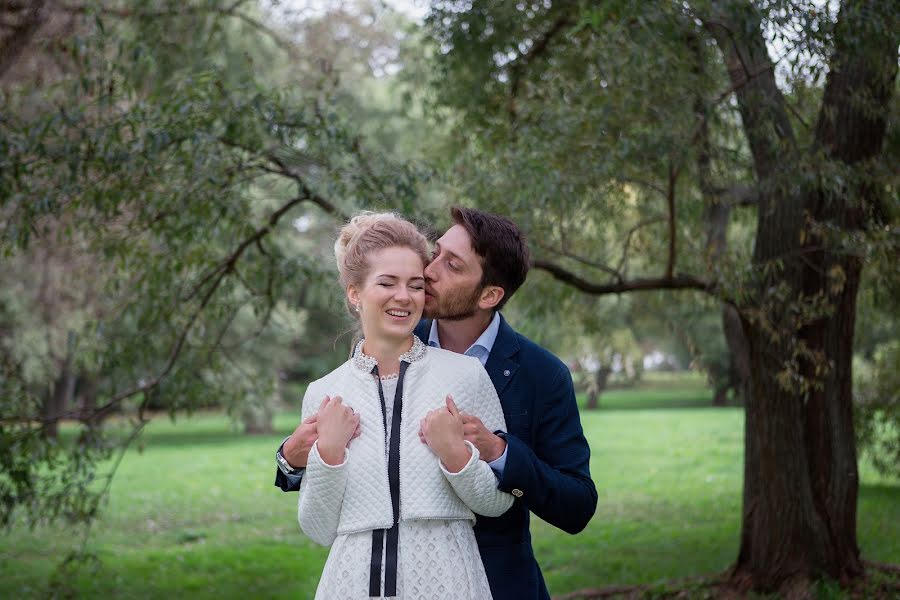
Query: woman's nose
430, 272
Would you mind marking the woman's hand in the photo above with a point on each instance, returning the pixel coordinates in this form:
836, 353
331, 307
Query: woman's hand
337, 425
442, 430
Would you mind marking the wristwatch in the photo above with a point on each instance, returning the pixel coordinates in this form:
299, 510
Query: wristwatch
283, 465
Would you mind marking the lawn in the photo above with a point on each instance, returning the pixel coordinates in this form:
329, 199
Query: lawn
195, 514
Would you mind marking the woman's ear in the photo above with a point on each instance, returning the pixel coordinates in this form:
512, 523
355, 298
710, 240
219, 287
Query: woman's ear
352, 295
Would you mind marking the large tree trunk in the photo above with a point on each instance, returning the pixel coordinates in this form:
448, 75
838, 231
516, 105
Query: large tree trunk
800, 475
601, 378
58, 399
259, 416
717, 213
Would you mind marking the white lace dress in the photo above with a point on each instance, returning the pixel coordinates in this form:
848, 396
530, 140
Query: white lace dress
436, 559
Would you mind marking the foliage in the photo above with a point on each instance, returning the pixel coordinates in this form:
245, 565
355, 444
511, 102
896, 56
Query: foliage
151, 184
697, 146
610, 133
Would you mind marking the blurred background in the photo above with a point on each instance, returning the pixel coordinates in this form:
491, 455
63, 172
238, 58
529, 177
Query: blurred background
709, 189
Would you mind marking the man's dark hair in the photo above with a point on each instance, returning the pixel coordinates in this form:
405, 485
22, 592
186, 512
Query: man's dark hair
501, 246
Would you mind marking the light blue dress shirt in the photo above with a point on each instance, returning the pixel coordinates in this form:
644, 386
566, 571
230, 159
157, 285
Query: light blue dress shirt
480, 349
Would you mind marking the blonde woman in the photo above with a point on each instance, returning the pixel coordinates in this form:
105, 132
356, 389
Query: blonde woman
390, 483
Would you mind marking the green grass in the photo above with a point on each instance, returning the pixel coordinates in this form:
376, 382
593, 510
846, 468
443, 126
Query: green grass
195, 514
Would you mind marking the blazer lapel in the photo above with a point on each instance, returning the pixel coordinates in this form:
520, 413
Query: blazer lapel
423, 329
501, 364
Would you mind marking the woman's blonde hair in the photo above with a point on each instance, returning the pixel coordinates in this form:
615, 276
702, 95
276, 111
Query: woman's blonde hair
370, 232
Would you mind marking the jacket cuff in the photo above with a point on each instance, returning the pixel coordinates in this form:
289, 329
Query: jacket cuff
316, 459
472, 460
517, 466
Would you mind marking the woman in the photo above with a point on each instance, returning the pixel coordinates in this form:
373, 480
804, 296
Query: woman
398, 513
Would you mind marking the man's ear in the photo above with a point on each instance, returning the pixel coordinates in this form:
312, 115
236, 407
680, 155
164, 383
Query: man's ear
490, 297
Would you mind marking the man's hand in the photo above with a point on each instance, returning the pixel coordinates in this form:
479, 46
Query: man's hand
442, 430
490, 446
296, 448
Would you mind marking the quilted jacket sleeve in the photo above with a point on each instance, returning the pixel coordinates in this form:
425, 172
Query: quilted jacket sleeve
321, 497
476, 486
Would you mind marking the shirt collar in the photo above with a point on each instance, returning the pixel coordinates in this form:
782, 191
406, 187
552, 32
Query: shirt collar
485, 340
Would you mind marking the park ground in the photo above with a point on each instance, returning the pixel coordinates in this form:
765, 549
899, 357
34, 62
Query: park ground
192, 512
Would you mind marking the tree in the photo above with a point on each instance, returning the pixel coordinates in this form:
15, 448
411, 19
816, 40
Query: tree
578, 110
158, 152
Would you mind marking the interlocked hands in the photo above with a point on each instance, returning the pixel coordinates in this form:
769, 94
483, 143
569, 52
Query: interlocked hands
442, 430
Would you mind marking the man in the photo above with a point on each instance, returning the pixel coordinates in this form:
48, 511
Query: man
542, 459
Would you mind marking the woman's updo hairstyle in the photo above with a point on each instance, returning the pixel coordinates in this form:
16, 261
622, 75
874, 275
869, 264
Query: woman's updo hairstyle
370, 232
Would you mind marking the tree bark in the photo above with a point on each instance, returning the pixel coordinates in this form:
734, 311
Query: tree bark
58, 398
21, 33
601, 377
717, 212
89, 386
800, 475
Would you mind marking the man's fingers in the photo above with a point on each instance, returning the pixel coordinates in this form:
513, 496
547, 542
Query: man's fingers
311, 419
357, 433
325, 402
451, 406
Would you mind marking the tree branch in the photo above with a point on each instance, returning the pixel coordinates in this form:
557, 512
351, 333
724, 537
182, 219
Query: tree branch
228, 11
217, 275
21, 35
739, 194
595, 265
737, 31
677, 282
670, 202
524, 61
627, 243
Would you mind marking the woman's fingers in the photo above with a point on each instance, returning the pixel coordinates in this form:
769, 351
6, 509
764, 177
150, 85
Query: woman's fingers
451, 406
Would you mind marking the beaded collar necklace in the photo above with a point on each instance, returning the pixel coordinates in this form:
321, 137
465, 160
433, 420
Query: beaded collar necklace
366, 363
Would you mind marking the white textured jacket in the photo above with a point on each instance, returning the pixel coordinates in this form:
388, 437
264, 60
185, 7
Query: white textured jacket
355, 495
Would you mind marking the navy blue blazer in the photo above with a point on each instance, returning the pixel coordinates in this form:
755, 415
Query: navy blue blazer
547, 462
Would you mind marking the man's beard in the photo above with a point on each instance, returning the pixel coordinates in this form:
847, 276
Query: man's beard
455, 306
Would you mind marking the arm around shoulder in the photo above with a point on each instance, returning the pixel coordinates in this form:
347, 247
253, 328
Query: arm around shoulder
553, 478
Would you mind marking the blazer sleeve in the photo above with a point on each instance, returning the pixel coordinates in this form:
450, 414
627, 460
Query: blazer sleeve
291, 483
288, 483
553, 478
476, 483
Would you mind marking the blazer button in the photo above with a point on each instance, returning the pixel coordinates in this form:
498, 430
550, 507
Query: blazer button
517, 493
506, 373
